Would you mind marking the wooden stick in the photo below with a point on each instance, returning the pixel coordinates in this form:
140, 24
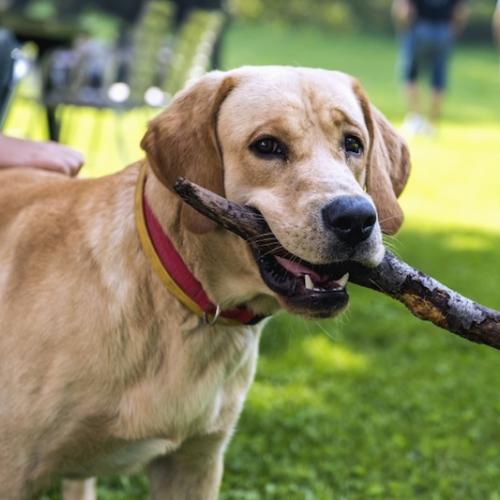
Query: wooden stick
243, 221
430, 300
424, 296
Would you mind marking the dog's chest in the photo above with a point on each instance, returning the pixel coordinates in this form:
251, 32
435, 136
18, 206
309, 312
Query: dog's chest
200, 388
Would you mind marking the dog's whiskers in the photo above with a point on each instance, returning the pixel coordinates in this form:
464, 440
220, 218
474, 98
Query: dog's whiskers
272, 250
262, 237
381, 221
392, 242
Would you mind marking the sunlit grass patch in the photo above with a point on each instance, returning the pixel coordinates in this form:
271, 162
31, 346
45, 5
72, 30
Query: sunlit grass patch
323, 354
455, 179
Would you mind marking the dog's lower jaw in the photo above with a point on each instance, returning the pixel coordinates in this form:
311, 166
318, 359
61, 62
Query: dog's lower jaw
316, 307
265, 304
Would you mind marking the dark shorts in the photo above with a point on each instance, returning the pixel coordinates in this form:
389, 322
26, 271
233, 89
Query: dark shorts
427, 45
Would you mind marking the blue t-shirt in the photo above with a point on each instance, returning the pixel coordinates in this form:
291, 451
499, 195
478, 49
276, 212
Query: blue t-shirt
435, 10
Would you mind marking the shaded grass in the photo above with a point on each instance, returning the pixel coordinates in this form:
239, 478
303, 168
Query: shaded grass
375, 404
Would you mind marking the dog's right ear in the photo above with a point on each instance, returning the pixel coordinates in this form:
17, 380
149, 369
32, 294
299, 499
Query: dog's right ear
389, 165
182, 142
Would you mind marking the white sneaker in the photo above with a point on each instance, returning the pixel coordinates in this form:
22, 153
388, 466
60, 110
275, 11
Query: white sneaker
413, 124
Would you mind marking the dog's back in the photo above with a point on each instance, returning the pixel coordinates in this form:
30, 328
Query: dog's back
20, 189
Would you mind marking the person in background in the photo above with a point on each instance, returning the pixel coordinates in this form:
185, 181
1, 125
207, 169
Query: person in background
49, 156
428, 29
496, 24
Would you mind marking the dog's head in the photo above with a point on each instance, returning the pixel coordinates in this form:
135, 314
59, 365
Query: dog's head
304, 147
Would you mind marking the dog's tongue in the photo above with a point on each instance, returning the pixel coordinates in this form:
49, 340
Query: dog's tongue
297, 269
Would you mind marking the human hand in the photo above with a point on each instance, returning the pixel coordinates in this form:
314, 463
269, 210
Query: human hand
57, 158
460, 18
48, 155
403, 14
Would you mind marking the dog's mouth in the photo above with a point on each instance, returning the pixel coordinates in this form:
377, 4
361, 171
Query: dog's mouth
316, 290
305, 288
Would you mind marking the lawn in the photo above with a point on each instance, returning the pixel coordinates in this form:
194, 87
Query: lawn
375, 404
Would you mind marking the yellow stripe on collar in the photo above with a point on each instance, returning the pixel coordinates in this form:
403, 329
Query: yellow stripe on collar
150, 252
156, 264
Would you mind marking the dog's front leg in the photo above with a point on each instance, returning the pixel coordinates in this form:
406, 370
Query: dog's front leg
79, 489
193, 472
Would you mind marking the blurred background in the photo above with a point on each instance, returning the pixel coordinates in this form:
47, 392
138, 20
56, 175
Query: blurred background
375, 404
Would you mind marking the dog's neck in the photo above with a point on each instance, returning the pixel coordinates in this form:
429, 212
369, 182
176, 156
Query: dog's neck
219, 260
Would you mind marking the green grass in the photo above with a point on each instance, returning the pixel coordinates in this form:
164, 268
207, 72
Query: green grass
375, 404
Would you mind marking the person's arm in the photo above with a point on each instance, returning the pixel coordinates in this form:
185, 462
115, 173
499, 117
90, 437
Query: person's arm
460, 16
403, 13
45, 155
496, 24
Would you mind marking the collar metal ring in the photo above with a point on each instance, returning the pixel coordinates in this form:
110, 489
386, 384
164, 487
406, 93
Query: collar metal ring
215, 317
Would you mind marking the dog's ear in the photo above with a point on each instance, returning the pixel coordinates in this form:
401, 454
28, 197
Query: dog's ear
388, 165
182, 141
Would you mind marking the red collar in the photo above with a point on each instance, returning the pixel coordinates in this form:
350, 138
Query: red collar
176, 275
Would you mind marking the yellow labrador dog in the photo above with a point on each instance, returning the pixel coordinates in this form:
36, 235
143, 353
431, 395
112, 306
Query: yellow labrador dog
105, 367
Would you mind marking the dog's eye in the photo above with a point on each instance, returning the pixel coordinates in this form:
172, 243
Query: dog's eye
353, 145
269, 147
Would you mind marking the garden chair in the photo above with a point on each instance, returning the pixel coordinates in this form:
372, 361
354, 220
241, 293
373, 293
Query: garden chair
193, 49
105, 79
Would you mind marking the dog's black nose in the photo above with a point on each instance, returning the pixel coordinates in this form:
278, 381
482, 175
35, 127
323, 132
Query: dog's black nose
351, 218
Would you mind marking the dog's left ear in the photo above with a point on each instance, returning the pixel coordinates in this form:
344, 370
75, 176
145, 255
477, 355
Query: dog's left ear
182, 141
388, 165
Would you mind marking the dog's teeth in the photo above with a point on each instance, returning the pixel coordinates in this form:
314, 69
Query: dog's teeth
342, 282
308, 282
